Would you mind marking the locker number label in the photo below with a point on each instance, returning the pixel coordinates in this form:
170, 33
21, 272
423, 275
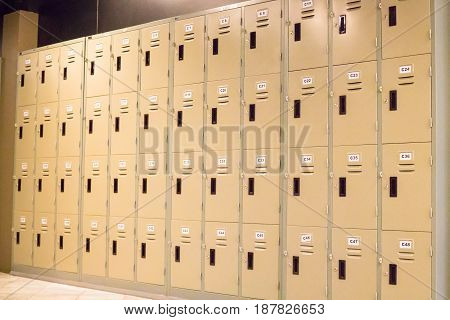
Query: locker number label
99, 46
95, 164
125, 41
26, 114
405, 69
354, 75
94, 225
306, 159
353, 241
69, 109
155, 35
24, 166
262, 13
67, 223
47, 112
23, 220
305, 237
259, 235
221, 232
222, 162
150, 228
306, 81
121, 226
307, 4
48, 57
44, 221
188, 27
406, 244
260, 161
123, 102
97, 105
261, 86
68, 165
27, 62
151, 164
187, 95
122, 164
406, 156
45, 165
354, 157
153, 99
224, 21
186, 163
70, 53
222, 90
184, 230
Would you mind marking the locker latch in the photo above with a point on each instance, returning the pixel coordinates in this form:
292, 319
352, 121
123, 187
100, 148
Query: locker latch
215, 46
147, 58
392, 16
296, 187
393, 187
253, 40
88, 245
297, 110
38, 240
143, 250
342, 24
177, 254
393, 274
342, 270
250, 261
213, 186
297, 32
295, 265
342, 105
180, 52
114, 248
342, 187
61, 242
212, 257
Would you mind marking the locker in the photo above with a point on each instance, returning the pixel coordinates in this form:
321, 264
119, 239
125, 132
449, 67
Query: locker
121, 248
262, 38
24, 185
406, 267
47, 130
71, 71
355, 104
152, 186
96, 130
222, 186
45, 189
308, 34
308, 108
189, 51
185, 255
261, 178
122, 191
25, 132
155, 43
188, 118
262, 112
23, 238
306, 268
150, 251
406, 99
186, 186
224, 44
307, 182
67, 249
125, 71
354, 264
94, 246
260, 261
68, 185
98, 66
222, 130
407, 187
153, 112
69, 140
123, 124
355, 187
95, 188
354, 31
221, 257
44, 241
27, 66
48, 76
406, 27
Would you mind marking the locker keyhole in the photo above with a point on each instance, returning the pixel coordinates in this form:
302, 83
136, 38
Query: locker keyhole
296, 191
342, 187
91, 126
61, 242
297, 109
180, 52
43, 76
393, 100
17, 237
393, 274
62, 186
147, 58
250, 261
117, 124
116, 185
38, 240
178, 186
114, 248
253, 40
145, 121
63, 129
295, 265
215, 46
213, 186
392, 16
251, 186
214, 116
252, 113
22, 80
19, 185
393, 187
92, 68
342, 105
177, 254
20, 133
88, 245
297, 32
179, 118
212, 257
89, 185
342, 270
65, 73
144, 185
143, 250
40, 185
41, 131
342, 24
119, 63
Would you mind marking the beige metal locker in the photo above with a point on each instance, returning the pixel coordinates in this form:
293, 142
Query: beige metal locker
260, 261
23, 238
45, 189
185, 255
306, 268
47, 130
98, 66
308, 108
69, 140
23, 184
44, 240
354, 264
155, 43
355, 104
125, 48
122, 193
307, 182
94, 246
407, 187
407, 99
97, 126
189, 51
48, 76
123, 123
355, 187
67, 249
71, 71
224, 44
262, 38
121, 248
27, 66
95, 188
25, 132
68, 185
308, 34
406, 268
221, 257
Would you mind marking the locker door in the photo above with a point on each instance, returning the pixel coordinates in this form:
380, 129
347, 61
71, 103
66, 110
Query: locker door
185, 255
155, 42
308, 34
153, 112
354, 264
222, 186
69, 140
66, 256
221, 257
124, 121
307, 201
27, 66
150, 252
71, 71
96, 131
307, 263
122, 186
47, 130
121, 248
126, 62
68, 185
355, 104
25, 132
262, 112
406, 268
224, 45
95, 186
407, 100
44, 241
45, 189
23, 238
308, 108
222, 130
189, 51
407, 187
98, 68
261, 178
262, 38
24, 185
48, 76
355, 187
94, 246
354, 31
260, 261
406, 27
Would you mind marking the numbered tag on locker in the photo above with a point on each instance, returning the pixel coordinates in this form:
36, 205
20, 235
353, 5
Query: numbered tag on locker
353, 241
221, 233
406, 244
305, 237
259, 235
150, 228
184, 230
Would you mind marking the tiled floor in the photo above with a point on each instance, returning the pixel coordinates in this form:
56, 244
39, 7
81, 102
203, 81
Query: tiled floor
18, 288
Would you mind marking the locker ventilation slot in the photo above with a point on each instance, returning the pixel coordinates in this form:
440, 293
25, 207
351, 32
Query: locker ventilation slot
342, 270
253, 40
393, 100
177, 254
308, 14
297, 32
224, 29
215, 46
295, 265
393, 274
17, 237
251, 186
178, 186
342, 187
353, 5
144, 185
393, 187
38, 240
190, 36
262, 22
181, 52
296, 191
297, 109
154, 43
212, 257
61, 242
114, 248
214, 116
250, 261
88, 245
343, 24
143, 250
392, 16
147, 58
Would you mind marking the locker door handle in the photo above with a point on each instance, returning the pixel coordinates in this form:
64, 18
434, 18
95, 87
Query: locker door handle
22, 80
38, 240
145, 121
114, 248
295, 265
144, 185
41, 131
251, 186
214, 116
180, 52
20, 133
253, 40
392, 16
213, 186
143, 250
116, 185
63, 129
179, 118
393, 274
117, 124
119, 63
92, 68
177, 254
178, 185
296, 191
19, 185
250, 262
252, 113
88, 245
61, 242
342, 105
89, 185
342, 270
297, 32
17, 237
147, 58
215, 46
297, 110
342, 24
39, 185
342, 187
393, 100
393, 186
43, 76
65, 73
212, 257
61, 186
91, 126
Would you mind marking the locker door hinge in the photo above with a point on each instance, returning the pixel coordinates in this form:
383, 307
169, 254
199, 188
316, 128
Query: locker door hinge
430, 71
380, 260
376, 126
376, 247
279, 285
376, 42
326, 291
431, 161
330, 256
376, 295
327, 210
327, 244
431, 212
431, 122
431, 251
376, 211
430, 34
